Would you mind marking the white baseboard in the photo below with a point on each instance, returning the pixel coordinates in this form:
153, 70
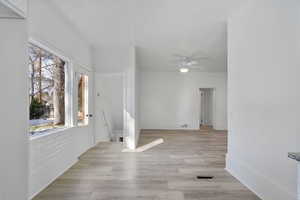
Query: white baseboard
170, 129
102, 140
220, 128
180, 129
262, 186
137, 139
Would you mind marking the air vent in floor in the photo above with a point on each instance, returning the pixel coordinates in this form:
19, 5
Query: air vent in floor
205, 177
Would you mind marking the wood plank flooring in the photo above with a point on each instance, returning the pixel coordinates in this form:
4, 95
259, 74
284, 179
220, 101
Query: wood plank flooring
166, 172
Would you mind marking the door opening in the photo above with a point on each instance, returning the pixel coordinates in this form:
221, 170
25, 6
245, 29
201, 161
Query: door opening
206, 108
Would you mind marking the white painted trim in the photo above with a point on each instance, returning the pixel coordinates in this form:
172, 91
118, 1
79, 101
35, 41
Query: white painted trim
102, 140
125, 125
53, 179
220, 128
259, 184
69, 80
50, 48
171, 129
48, 132
137, 135
14, 8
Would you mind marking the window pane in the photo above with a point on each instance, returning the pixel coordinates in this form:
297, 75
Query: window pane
82, 115
46, 91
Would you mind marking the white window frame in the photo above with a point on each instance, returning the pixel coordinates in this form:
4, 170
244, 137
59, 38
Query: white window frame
69, 77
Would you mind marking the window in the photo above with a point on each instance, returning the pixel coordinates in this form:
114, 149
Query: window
82, 114
47, 90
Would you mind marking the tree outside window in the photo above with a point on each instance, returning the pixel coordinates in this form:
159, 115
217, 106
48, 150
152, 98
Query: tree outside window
47, 90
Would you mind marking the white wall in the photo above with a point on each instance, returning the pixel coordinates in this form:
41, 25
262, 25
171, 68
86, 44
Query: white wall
137, 102
170, 99
48, 25
120, 59
51, 155
263, 93
111, 59
207, 107
110, 62
18, 8
19, 4
14, 110
111, 88
131, 102
109, 98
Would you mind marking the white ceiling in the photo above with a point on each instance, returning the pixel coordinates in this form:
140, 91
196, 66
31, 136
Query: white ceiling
6, 12
158, 28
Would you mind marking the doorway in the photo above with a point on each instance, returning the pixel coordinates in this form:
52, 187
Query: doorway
206, 109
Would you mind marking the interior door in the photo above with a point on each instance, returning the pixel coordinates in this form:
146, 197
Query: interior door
84, 105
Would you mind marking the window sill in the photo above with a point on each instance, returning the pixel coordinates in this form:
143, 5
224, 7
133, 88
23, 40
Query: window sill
46, 133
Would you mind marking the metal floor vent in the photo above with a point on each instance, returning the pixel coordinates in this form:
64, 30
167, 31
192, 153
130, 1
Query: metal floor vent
205, 177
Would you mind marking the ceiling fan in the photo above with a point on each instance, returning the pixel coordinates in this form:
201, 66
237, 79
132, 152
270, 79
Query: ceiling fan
185, 63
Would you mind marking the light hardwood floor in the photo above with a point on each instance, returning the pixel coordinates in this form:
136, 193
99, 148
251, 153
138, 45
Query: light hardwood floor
166, 172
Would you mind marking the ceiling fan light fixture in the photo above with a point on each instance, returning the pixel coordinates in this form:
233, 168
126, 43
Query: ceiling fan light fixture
184, 70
